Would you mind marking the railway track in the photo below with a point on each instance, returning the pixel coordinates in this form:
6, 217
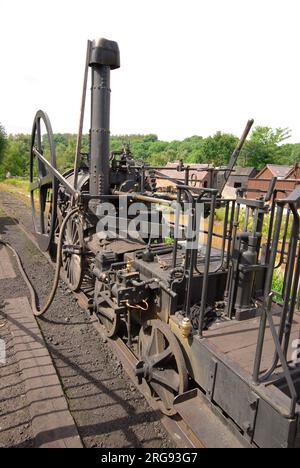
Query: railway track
176, 427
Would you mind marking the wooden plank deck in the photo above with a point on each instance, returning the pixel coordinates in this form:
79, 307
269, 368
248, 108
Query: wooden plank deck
238, 340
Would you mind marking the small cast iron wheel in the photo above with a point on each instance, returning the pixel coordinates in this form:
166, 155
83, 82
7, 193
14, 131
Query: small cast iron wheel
72, 253
111, 325
105, 311
164, 368
43, 185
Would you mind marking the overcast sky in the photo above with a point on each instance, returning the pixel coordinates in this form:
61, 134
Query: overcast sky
187, 67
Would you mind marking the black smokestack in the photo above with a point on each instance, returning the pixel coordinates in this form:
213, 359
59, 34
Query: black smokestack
105, 56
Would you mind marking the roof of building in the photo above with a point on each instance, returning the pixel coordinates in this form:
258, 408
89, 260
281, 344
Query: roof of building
243, 171
281, 172
294, 172
196, 173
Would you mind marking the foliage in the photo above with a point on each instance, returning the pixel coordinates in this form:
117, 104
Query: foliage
3, 142
218, 148
15, 158
265, 145
277, 284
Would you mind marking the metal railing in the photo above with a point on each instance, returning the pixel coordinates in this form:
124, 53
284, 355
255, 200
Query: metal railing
208, 198
282, 334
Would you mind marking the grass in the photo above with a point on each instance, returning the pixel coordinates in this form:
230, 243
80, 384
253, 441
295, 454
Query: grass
18, 187
220, 217
169, 240
277, 283
22, 184
220, 214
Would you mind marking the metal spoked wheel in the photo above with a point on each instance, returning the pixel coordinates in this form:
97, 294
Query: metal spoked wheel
106, 310
43, 185
162, 364
72, 253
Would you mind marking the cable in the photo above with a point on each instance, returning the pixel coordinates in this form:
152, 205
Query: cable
34, 299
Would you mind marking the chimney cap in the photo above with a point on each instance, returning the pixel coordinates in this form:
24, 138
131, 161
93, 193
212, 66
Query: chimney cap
105, 52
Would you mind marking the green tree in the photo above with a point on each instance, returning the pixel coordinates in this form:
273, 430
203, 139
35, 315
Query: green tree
3, 143
289, 154
218, 148
264, 147
16, 155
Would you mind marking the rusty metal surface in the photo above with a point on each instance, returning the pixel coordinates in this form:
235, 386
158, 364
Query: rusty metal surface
193, 407
117, 246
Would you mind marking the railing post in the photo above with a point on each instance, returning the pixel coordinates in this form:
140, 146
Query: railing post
267, 291
207, 261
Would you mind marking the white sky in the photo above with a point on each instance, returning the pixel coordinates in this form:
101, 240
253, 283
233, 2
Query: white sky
187, 67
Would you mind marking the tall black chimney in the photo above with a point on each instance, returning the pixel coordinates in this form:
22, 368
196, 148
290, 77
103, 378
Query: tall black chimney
105, 56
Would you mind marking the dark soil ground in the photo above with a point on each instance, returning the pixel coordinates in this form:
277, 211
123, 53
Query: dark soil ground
107, 408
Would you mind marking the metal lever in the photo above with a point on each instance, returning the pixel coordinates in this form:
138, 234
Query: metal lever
236, 153
271, 189
81, 119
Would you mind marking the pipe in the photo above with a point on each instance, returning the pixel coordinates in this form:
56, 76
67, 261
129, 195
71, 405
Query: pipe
37, 310
144, 198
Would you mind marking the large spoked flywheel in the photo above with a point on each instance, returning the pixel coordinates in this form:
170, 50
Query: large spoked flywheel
43, 185
161, 364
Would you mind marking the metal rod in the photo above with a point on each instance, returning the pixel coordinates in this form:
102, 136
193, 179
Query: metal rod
267, 290
290, 316
146, 199
229, 233
224, 238
175, 180
199, 190
286, 370
81, 119
236, 153
231, 273
55, 172
289, 307
191, 254
206, 268
271, 225
176, 233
